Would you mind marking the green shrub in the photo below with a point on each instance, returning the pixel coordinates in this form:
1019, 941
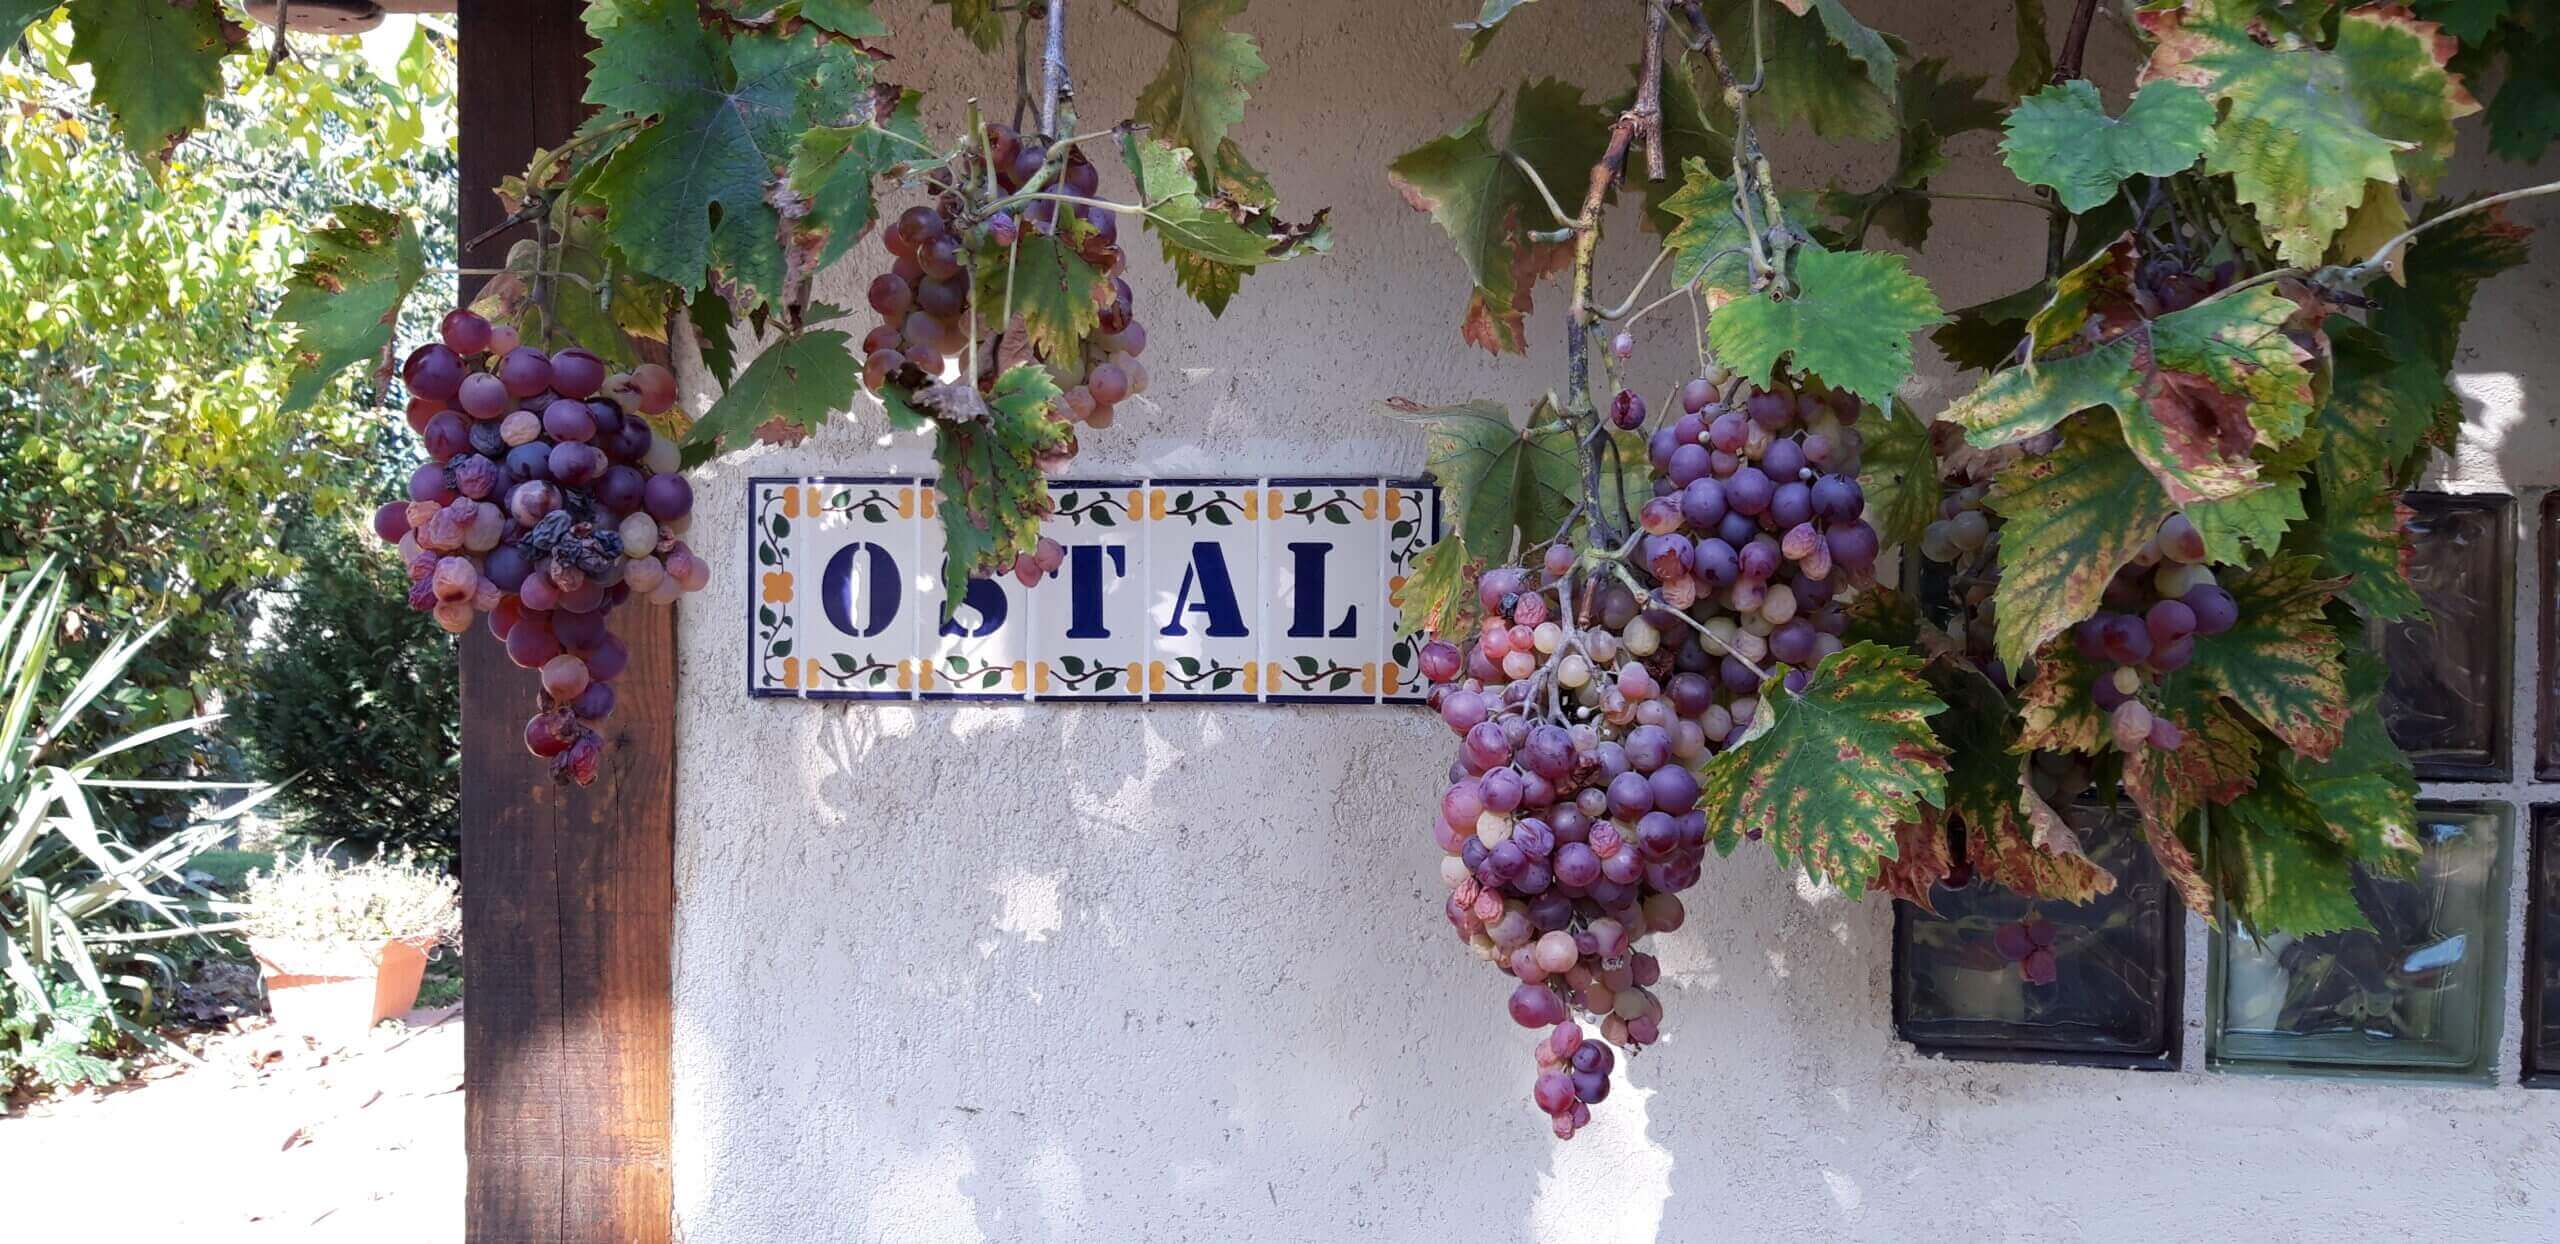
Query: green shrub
355, 697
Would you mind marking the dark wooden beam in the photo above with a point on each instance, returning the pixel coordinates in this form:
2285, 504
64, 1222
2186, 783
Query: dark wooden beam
569, 894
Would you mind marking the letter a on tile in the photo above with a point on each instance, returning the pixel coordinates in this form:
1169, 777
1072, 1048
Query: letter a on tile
1208, 570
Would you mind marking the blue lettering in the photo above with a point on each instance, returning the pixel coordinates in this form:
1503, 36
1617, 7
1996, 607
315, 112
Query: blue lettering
837, 589
1085, 587
1208, 568
1309, 620
986, 597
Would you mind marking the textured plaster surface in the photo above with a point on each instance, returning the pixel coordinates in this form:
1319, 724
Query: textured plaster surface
955, 973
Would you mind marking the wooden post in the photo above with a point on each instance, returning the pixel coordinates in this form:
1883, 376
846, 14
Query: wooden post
569, 894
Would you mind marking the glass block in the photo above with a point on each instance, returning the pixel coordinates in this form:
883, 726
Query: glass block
1969, 982
2542, 953
2547, 696
2446, 700
2417, 996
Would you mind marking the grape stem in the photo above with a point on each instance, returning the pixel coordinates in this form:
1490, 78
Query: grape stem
1056, 88
1641, 281
2353, 276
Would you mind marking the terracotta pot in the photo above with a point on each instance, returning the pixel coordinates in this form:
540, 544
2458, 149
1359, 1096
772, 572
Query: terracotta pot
341, 989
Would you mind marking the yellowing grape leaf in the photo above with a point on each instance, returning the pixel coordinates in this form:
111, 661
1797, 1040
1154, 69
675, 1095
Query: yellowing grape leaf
2276, 871
2062, 137
994, 494
2365, 792
1849, 320
2377, 413
1046, 282
2280, 662
1919, 861
346, 295
2302, 128
2011, 836
1897, 473
1439, 592
833, 166
157, 64
1200, 93
1824, 775
2074, 516
1488, 207
801, 378
2214, 763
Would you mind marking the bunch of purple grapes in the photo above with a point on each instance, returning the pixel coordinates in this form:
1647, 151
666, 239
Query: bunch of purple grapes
2029, 944
546, 500
1592, 685
2152, 613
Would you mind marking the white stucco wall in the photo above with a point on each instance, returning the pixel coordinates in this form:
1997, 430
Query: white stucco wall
1115, 973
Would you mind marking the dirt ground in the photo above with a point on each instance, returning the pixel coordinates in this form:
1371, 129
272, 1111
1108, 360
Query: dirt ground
270, 1140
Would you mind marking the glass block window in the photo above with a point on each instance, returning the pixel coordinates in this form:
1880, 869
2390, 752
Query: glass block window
2542, 952
1994, 976
2417, 996
2451, 672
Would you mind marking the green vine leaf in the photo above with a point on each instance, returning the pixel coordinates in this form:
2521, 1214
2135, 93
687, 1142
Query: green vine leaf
1487, 24
2466, 20
2280, 662
2275, 876
2444, 266
2257, 518
1200, 93
1937, 105
1898, 475
2074, 516
17, 15
1850, 322
833, 168
981, 20
2062, 137
1710, 245
1502, 489
851, 18
1050, 286
802, 378
346, 294
2032, 67
1488, 207
2378, 411
1232, 237
1825, 774
157, 64
2216, 763
1439, 591
1821, 67
2365, 792
693, 192
993, 491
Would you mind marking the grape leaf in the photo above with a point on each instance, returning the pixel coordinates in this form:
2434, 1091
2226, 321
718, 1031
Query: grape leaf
832, 167
1989, 334
993, 491
2011, 836
1849, 321
2019, 402
1919, 860
1488, 207
2215, 763
2274, 875
1046, 282
711, 328
693, 192
2366, 791
1709, 243
156, 63
1820, 66
2395, 67
1826, 773
981, 20
1439, 592
1936, 105
2302, 129
2074, 516
2378, 408
592, 297
2467, 20
17, 15
2099, 288
2445, 265
1168, 188
2259, 517
851, 18
2062, 137
1488, 23
1200, 93
2280, 662
801, 378
1501, 488
346, 294
1898, 475
2525, 115
2033, 65
2055, 711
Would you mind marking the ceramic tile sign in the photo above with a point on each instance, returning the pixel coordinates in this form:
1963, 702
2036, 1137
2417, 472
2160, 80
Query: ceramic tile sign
1272, 590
